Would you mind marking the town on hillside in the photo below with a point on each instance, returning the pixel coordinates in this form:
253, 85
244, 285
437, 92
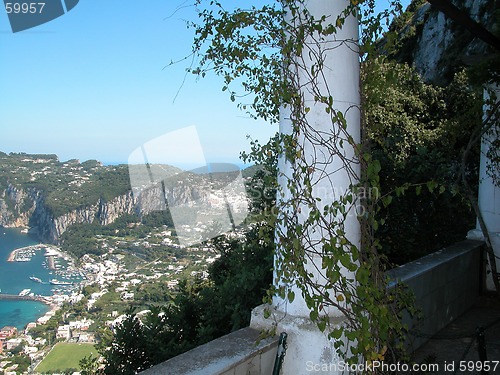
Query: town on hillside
99, 272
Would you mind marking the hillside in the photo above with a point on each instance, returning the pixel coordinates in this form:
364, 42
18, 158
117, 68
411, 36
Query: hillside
65, 185
48, 195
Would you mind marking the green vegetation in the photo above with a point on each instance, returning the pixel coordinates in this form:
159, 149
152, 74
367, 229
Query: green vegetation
65, 185
19, 358
200, 311
81, 239
65, 356
418, 131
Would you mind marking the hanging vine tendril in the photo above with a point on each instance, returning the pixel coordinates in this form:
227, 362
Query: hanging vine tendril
278, 55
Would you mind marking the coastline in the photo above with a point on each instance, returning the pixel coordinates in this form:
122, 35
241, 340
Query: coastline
29, 311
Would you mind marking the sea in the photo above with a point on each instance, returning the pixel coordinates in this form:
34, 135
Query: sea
15, 277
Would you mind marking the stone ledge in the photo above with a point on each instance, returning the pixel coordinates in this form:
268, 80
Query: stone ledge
411, 270
218, 356
445, 284
306, 345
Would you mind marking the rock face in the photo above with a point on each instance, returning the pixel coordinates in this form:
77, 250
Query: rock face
438, 46
19, 207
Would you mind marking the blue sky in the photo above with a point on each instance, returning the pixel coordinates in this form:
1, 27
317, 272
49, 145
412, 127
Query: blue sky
92, 85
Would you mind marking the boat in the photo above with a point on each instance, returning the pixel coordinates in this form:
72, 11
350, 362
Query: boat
57, 282
24, 292
35, 279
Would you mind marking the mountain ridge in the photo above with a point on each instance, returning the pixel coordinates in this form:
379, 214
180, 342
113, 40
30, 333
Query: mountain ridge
39, 192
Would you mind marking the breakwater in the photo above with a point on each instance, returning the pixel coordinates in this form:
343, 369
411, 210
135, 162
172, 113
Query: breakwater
16, 297
13, 256
24, 254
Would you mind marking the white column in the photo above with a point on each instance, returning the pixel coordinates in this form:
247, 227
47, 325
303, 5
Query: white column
309, 348
488, 198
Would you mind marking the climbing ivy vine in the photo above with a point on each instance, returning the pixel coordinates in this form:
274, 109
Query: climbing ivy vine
261, 53
264, 51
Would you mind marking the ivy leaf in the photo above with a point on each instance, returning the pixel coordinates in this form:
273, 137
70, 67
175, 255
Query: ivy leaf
431, 185
387, 200
322, 325
313, 315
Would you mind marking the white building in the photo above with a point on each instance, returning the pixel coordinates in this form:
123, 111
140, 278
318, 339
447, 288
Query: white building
64, 332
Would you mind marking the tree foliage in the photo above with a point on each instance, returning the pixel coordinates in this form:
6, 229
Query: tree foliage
418, 132
200, 311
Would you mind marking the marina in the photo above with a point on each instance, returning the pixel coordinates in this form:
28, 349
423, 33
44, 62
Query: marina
24, 254
26, 270
55, 261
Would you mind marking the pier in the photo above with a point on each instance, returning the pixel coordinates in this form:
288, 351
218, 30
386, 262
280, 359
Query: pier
51, 262
17, 297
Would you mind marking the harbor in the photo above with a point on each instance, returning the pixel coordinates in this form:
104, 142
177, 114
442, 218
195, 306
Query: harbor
34, 274
18, 310
55, 260
36, 279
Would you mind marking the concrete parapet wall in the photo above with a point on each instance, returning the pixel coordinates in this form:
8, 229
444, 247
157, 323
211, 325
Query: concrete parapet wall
238, 353
445, 283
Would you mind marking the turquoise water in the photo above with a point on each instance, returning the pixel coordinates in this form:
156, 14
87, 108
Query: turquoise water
14, 277
20, 313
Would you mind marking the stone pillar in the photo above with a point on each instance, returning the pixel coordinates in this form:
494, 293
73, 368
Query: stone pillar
308, 348
488, 198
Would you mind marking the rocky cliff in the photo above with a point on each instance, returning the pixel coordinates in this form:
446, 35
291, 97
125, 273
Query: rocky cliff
438, 46
25, 207
49, 196
17, 205
50, 228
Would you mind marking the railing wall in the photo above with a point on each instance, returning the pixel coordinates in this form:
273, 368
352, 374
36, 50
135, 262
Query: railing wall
238, 353
445, 283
